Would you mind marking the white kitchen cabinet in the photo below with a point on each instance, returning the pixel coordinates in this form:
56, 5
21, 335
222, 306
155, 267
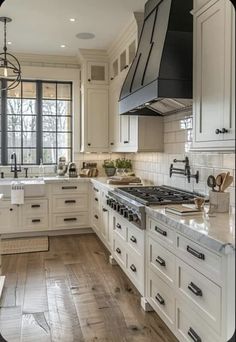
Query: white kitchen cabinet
189, 285
9, 217
214, 76
94, 101
97, 73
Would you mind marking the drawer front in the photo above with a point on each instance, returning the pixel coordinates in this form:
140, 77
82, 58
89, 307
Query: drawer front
64, 221
95, 201
136, 240
200, 258
120, 228
35, 207
119, 250
96, 220
201, 293
35, 223
70, 203
135, 270
161, 297
161, 232
192, 328
161, 261
69, 187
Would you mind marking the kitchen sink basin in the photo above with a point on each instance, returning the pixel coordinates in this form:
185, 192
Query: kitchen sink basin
33, 187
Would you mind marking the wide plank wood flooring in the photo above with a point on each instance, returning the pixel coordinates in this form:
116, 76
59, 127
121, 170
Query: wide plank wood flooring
72, 293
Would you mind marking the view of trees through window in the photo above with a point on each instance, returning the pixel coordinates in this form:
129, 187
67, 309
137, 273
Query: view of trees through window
36, 122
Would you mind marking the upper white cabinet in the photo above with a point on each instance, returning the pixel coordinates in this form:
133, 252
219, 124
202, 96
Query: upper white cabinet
94, 101
214, 75
97, 73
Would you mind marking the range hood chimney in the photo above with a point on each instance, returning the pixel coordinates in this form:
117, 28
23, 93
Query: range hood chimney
159, 80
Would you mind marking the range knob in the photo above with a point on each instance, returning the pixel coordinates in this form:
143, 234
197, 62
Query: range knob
122, 208
118, 207
131, 215
115, 204
126, 213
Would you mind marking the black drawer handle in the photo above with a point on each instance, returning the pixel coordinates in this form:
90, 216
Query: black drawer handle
194, 336
195, 253
160, 231
160, 299
104, 210
133, 268
195, 290
70, 201
160, 261
133, 239
96, 199
70, 219
95, 189
36, 220
35, 206
118, 226
96, 217
126, 142
118, 250
69, 187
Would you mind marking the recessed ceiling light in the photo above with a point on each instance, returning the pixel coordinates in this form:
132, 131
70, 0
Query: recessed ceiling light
9, 43
72, 20
85, 35
63, 46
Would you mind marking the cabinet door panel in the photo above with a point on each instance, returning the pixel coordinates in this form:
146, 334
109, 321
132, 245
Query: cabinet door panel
210, 64
97, 119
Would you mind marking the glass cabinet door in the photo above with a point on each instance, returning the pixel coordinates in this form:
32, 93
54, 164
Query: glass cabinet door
97, 73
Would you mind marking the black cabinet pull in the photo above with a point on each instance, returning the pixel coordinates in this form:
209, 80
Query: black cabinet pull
160, 261
133, 239
118, 250
118, 226
126, 66
195, 253
160, 299
133, 268
11, 209
69, 187
96, 199
95, 189
111, 143
96, 217
112, 78
221, 131
89, 144
70, 201
104, 210
194, 289
160, 231
35, 206
36, 220
89, 79
70, 219
194, 336
126, 142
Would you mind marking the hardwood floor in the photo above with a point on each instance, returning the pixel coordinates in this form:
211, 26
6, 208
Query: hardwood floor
72, 293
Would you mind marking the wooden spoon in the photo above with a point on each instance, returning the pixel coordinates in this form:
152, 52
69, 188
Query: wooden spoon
219, 180
227, 183
224, 181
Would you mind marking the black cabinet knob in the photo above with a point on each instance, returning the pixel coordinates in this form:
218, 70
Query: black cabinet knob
221, 131
89, 144
89, 79
224, 130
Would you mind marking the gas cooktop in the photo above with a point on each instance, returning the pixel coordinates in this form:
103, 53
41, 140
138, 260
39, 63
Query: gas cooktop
160, 195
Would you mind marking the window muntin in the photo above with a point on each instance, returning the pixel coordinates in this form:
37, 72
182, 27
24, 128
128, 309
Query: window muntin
37, 116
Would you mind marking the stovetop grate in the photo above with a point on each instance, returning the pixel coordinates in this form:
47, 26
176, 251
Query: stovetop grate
161, 195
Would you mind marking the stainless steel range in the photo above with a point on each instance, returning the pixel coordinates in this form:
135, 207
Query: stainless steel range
130, 202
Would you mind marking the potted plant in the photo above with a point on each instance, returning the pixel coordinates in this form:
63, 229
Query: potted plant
109, 167
123, 166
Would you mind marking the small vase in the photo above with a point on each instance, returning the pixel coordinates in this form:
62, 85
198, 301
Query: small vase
110, 171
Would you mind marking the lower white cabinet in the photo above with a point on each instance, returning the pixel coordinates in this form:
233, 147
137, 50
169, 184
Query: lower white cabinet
188, 285
34, 215
128, 250
9, 217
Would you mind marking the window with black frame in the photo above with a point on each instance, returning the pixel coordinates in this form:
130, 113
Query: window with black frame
36, 122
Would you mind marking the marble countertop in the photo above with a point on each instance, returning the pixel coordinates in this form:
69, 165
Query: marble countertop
216, 232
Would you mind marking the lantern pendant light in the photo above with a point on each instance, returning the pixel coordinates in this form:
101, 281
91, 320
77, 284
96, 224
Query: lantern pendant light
10, 69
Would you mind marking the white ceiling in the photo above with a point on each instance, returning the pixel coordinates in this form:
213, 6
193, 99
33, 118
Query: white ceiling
41, 26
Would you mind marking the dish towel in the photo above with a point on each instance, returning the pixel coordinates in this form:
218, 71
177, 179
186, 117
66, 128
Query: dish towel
17, 193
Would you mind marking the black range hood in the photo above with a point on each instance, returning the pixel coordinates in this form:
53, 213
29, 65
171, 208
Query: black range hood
159, 80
